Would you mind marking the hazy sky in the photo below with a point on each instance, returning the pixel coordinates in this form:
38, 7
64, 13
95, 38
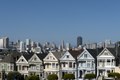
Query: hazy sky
57, 20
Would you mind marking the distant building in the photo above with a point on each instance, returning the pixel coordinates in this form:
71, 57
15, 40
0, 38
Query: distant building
22, 46
28, 44
79, 41
4, 42
91, 46
1, 43
68, 46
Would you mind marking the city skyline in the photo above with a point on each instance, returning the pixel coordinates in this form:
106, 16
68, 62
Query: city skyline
55, 21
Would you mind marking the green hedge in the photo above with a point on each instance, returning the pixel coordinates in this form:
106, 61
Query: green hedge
114, 75
69, 76
52, 77
33, 77
90, 76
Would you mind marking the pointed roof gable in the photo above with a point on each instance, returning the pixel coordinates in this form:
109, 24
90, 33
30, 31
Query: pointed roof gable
21, 60
55, 55
11, 58
58, 55
75, 53
111, 50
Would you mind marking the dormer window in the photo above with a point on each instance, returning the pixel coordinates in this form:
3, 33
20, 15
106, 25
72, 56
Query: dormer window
85, 55
22, 60
53, 58
67, 56
47, 57
35, 59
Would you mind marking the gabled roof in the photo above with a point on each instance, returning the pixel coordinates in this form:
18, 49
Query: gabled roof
11, 58
99, 50
75, 53
58, 55
42, 56
93, 52
113, 51
27, 56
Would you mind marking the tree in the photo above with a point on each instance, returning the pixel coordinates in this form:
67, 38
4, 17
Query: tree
33, 77
14, 75
69, 76
52, 77
90, 76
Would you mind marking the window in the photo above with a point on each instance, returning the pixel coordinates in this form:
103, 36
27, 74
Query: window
88, 64
85, 55
56, 65
92, 64
22, 67
47, 57
22, 60
47, 65
67, 56
63, 64
53, 65
70, 64
50, 57
108, 62
35, 59
19, 67
73, 65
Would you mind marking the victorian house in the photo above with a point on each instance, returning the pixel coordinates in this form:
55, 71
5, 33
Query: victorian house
87, 62
52, 63
22, 64
36, 65
106, 62
69, 63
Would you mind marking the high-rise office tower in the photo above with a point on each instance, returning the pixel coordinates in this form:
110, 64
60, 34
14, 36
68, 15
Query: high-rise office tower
4, 42
79, 41
28, 44
22, 46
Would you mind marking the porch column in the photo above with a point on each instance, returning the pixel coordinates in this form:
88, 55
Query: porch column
105, 62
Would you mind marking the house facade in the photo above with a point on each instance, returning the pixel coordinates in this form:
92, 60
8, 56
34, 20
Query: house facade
106, 62
23, 65
52, 64
68, 63
86, 62
36, 66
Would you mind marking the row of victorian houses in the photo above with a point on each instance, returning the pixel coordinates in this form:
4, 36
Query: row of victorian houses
79, 62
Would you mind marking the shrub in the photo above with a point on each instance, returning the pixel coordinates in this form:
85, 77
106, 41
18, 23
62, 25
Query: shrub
69, 76
33, 77
114, 75
52, 77
90, 76
14, 75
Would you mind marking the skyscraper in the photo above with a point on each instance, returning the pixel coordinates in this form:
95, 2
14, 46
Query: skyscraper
22, 46
79, 41
4, 42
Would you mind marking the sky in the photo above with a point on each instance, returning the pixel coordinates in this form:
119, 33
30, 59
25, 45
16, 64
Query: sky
57, 20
